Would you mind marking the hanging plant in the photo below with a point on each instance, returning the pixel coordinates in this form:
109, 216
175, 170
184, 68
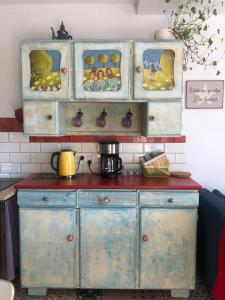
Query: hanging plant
188, 22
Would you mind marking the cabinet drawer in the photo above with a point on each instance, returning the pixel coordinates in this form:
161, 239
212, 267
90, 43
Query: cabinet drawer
45, 198
169, 199
107, 198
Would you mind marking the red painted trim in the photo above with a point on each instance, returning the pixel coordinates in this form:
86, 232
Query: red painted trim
10, 125
219, 286
97, 139
89, 181
14, 125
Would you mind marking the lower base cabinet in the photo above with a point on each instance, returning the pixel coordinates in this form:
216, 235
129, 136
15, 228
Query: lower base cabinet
108, 239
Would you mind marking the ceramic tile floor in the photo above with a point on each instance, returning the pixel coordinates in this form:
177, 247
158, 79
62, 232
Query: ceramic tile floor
200, 293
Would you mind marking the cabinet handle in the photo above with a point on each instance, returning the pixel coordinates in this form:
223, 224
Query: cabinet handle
170, 200
151, 118
107, 200
138, 69
49, 117
70, 237
44, 198
64, 70
145, 237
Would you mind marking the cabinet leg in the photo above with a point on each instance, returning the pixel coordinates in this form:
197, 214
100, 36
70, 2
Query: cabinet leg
180, 293
37, 292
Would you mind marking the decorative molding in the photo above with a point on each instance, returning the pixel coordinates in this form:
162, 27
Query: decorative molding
10, 125
96, 139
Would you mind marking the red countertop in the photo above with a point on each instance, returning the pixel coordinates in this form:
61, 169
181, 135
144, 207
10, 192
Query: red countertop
89, 181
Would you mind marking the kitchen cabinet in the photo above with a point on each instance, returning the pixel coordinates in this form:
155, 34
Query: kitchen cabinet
105, 72
158, 70
44, 117
47, 240
102, 70
46, 70
163, 119
124, 239
107, 239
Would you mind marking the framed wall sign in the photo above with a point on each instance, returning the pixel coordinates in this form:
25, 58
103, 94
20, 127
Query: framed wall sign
204, 94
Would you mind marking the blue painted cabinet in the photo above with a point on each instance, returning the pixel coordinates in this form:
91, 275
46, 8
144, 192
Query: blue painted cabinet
108, 239
47, 247
107, 252
46, 70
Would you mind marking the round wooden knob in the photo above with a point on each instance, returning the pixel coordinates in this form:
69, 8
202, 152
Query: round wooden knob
64, 70
138, 69
70, 238
44, 198
106, 200
151, 118
49, 117
145, 237
170, 200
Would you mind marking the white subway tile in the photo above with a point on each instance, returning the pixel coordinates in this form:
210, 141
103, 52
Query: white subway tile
96, 158
95, 168
177, 167
20, 157
4, 175
4, 157
9, 168
90, 147
4, 137
180, 158
132, 147
127, 158
39, 158
171, 157
29, 147
137, 157
73, 146
18, 137
20, 175
30, 168
46, 168
50, 147
9, 147
176, 148
148, 147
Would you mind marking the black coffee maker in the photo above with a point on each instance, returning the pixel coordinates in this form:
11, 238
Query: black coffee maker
111, 163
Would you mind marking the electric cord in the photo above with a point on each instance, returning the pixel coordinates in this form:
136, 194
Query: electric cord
89, 166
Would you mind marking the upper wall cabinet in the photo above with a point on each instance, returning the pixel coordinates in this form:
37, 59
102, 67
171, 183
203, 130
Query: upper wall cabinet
46, 68
158, 70
102, 70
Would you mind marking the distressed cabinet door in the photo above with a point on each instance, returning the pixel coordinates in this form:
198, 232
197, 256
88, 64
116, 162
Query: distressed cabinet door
46, 68
47, 247
167, 248
163, 119
158, 69
44, 117
107, 247
102, 70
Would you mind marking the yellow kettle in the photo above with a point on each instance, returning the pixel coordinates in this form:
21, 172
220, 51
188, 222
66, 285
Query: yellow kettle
66, 163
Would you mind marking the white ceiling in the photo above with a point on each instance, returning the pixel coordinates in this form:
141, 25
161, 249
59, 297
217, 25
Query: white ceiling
142, 7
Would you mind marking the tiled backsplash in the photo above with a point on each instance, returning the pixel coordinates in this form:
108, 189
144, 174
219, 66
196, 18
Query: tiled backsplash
20, 158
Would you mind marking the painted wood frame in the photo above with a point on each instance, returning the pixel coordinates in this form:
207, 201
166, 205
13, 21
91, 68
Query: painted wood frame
139, 92
163, 118
65, 70
44, 117
124, 47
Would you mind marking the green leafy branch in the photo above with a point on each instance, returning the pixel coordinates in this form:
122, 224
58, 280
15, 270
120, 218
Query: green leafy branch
189, 23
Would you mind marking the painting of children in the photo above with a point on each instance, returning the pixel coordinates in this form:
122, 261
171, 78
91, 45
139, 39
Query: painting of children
102, 70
